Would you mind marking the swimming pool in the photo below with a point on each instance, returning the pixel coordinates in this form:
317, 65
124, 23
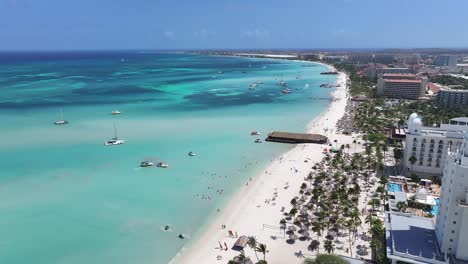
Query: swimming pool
435, 208
394, 187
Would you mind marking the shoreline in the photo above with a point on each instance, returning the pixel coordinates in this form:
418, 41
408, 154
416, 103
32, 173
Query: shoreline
252, 211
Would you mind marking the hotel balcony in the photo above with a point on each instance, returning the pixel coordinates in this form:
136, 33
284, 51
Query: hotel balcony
463, 203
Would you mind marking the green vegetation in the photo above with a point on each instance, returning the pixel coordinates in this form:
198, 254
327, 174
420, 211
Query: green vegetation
431, 113
326, 259
360, 85
450, 80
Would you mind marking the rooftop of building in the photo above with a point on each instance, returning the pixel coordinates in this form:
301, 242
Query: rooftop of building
445, 88
412, 237
433, 87
402, 81
399, 74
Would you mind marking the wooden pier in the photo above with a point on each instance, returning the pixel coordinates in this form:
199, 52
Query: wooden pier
296, 138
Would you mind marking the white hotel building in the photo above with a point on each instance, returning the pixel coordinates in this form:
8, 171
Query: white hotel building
429, 145
452, 219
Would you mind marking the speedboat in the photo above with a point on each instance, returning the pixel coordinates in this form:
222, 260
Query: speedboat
259, 82
254, 133
258, 140
298, 77
116, 112
191, 154
114, 141
146, 164
162, 165
61, 122
220, 72
286, 91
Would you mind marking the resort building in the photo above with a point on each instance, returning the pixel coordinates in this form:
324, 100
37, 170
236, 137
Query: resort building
452, 218
402, 86
384, 58
446, 60
448, 97
360, 58
429, 145
408, 59
373, 71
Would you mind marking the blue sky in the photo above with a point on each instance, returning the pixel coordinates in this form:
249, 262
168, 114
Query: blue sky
179, 24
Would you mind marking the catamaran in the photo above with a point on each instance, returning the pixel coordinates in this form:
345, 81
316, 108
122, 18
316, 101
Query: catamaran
115, 140
283, 83
61, 121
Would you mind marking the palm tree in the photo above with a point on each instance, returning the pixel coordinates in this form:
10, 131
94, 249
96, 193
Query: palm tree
374, 203
401, 206
263, 249
253, 245
329, 247
317, 227
412, 160
350, 225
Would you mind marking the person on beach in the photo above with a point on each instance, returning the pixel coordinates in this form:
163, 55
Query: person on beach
225, 246
220, 245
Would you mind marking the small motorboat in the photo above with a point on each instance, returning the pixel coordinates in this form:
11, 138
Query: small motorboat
181, 236
258, 140
162, 165
191, 154
114, 141
220, 72
146, 163
61, 122
286, 91
259, 82
282, 83
166, 228
255, 133
116, 112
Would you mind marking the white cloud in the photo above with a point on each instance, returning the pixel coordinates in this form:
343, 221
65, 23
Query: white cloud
257, 33
169, 34
203, 33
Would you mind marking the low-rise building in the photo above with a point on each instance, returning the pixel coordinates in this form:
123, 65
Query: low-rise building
401, 86
448, 97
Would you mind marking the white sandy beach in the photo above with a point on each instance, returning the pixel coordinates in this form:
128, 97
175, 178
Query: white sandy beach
248, 213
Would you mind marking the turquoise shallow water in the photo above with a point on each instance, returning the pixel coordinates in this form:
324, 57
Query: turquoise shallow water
66, 198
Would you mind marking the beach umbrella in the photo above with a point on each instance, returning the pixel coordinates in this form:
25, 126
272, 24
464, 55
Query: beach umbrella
292, 228
331, 233
305, 234
304, 228
293, 237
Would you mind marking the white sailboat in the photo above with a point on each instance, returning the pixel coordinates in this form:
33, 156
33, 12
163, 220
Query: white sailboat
283, 83
61, 121
115, 140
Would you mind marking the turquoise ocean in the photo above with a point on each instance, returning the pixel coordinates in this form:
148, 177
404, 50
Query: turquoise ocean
67, 198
